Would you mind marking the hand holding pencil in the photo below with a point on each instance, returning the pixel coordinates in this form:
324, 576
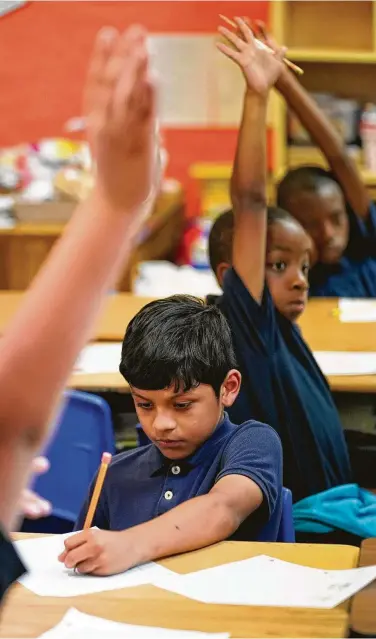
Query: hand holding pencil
101, 552
106, 459
260, 69
261, 43
93, 550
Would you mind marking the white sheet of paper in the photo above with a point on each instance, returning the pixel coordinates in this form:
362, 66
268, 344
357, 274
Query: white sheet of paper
48, 577
352, 310
265, 581
343, 363
101, 357
76, 625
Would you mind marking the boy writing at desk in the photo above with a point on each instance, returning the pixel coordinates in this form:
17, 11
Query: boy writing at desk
261, 259
202, 479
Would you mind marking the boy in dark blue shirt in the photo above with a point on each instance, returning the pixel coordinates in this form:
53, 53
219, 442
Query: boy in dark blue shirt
202, 479
334, 208
282, 384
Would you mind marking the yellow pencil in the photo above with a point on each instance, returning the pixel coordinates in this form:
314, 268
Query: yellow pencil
262, 45
106, 458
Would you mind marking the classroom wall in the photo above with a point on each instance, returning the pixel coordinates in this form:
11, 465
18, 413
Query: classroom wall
44, 49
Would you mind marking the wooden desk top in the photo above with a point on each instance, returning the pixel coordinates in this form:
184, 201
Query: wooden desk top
321, 328
363, 607
323, 331
147, 605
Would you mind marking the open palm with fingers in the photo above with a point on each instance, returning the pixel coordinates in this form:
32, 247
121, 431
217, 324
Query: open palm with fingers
261, 68
120, 109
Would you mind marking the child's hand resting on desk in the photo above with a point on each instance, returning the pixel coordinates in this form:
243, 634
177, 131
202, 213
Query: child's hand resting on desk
101, 552
120, 110
260, 68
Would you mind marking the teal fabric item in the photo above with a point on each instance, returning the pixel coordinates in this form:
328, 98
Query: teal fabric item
349, 508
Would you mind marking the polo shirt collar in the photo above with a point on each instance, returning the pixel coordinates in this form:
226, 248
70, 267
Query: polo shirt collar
159, 464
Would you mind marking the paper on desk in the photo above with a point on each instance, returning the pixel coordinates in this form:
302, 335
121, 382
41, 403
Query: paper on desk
48, 577
342, 363
265, 581
352, 310
102, 357
76, 625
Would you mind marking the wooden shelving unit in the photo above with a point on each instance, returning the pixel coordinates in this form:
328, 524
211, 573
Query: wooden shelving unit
335, 43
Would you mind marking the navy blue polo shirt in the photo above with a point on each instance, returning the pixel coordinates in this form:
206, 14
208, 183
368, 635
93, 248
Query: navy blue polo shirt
142, 484
355, 274
11, 567
283, 386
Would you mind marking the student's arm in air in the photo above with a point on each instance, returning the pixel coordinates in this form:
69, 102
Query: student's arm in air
40, 346
248, 182
250, 475
327, 139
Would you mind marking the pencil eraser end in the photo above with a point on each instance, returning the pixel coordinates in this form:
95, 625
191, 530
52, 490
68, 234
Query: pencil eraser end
106, 458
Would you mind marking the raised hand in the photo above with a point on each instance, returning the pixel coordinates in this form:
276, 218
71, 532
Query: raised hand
260, 68
120, 111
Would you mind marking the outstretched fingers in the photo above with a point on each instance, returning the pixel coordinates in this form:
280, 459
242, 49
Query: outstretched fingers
238, 42
245, 31
95, 94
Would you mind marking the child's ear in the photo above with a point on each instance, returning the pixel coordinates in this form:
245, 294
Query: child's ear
220, 272
230, 388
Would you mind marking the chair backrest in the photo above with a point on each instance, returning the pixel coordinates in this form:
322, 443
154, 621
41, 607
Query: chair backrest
84, 431
281, 521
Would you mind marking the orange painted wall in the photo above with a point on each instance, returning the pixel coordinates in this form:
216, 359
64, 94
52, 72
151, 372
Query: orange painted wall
44, 49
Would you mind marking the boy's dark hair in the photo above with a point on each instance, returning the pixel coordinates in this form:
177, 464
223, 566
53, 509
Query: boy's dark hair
221, 233
177, 340
303, 178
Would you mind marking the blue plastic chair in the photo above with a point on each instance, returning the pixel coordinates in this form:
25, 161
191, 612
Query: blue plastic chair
83, 432
286, 531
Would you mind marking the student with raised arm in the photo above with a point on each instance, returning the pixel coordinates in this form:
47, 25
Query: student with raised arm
41, 344
261, 259
334, 207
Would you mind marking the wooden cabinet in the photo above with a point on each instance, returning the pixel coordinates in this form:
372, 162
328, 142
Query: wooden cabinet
24, 248
335, 43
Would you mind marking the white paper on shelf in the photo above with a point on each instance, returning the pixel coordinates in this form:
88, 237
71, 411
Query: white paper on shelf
266, 581
346, 363
48, 577
76, 625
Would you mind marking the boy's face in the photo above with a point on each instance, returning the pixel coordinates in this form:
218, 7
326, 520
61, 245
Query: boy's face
323, 215
178, 423
287, 265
